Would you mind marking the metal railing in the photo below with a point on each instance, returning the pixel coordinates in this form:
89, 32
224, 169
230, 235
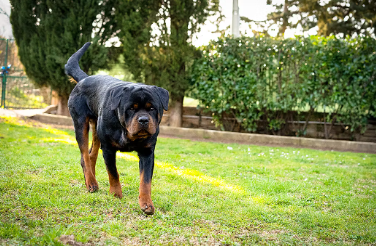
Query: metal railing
17, 90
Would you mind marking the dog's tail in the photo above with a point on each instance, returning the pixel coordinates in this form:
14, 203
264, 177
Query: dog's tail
72, 68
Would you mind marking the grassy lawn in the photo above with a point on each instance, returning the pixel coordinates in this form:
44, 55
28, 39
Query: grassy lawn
204, 194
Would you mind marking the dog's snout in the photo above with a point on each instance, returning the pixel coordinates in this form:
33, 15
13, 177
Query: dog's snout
143, 120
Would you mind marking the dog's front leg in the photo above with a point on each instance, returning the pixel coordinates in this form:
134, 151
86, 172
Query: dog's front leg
109, 157
146, 165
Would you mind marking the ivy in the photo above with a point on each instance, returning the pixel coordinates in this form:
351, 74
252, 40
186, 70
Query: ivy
264, 79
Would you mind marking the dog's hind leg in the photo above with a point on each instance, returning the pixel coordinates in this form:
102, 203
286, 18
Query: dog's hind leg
109, 157
81, 127
95, 145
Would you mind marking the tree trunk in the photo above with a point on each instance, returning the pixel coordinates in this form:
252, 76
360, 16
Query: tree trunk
285, 18
46, 94
62, 106
176, 111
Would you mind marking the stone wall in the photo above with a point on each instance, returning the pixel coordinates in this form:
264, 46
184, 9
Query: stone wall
194, 118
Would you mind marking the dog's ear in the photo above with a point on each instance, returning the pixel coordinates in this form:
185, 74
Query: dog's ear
116, 95
163, 96
115, 98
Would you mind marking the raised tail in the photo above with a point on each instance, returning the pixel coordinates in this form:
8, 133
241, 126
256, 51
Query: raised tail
72, 68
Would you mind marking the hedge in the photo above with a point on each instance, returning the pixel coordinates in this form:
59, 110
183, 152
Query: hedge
262, 79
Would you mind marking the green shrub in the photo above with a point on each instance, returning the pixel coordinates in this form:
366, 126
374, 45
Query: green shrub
264, 79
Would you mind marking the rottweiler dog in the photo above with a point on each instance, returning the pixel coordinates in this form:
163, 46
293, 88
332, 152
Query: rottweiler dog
123, 116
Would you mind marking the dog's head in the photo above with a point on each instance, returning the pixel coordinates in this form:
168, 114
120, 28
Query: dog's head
139, 108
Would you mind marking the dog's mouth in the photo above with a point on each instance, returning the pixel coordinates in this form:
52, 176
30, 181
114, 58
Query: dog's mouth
143, 133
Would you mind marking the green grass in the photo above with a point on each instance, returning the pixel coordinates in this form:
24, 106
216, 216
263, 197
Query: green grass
204, 194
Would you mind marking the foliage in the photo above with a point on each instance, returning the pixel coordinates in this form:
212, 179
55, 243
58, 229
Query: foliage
156, 36
346, 17
16, 92
262, 78
204, 193
48, 32
16, 98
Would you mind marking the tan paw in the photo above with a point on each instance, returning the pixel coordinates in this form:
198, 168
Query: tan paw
92, 186
116, 191
147, 207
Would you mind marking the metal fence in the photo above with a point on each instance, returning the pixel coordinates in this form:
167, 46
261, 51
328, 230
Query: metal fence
17, 90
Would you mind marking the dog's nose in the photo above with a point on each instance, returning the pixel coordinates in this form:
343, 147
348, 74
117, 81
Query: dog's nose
143, 120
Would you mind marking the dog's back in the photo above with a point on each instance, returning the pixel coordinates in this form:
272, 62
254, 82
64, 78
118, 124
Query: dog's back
95, 90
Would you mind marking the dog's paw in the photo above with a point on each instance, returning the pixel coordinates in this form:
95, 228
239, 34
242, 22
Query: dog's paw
147, 208
93, 188
120, 195
116, 191
91, 184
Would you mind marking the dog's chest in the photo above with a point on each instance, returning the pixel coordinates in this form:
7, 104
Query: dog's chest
119, 141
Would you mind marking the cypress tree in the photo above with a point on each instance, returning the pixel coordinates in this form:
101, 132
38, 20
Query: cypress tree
156, 38
47, 32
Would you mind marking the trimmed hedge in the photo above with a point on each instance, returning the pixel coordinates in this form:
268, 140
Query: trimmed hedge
263, 79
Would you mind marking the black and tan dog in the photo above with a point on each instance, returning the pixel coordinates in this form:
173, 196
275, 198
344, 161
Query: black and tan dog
123, 116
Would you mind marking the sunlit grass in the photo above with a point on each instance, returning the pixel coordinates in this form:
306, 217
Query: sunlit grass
204, 193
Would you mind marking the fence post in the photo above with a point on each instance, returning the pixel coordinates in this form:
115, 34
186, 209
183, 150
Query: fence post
3, 91
4, 82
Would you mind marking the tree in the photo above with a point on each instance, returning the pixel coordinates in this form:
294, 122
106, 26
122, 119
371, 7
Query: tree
346, 17
47, 32
343, 17
283, 16
156, 36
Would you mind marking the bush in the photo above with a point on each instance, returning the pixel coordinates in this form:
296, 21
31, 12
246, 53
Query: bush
264, 79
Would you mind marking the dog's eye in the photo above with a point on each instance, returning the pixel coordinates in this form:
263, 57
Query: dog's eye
151, 108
